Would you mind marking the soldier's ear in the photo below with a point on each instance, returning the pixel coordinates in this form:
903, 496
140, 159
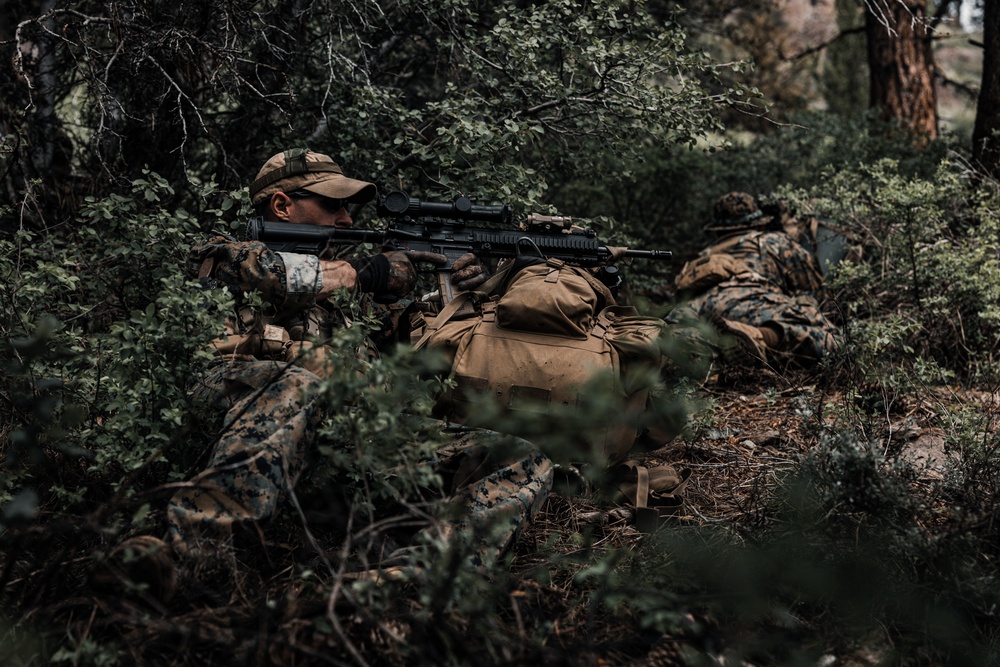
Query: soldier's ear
280, 207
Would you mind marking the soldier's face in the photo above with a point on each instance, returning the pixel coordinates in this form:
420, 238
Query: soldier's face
312, 209
307, 208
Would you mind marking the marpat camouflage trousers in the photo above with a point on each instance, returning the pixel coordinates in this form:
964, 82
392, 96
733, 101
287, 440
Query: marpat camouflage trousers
496, 485
807, 332
494, 481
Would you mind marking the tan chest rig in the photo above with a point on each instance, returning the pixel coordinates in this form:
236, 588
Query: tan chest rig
287, 337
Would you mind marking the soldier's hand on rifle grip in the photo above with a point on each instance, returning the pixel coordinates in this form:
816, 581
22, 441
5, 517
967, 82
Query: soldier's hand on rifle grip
469, 272
403, 273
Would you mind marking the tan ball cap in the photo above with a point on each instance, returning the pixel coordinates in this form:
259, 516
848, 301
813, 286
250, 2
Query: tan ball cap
302, 169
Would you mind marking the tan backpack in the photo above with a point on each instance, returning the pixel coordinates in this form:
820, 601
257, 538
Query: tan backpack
712, 267
533, 340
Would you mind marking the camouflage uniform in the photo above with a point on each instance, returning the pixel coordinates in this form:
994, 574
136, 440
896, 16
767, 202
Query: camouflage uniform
267, 432
270, 422
497, 483
770, 280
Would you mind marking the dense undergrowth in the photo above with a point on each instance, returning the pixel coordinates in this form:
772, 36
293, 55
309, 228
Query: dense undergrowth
851, 551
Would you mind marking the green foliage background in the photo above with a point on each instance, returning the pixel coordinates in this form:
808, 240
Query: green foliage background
135, 131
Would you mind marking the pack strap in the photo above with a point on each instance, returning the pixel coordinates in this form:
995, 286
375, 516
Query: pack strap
655, 495
463, 300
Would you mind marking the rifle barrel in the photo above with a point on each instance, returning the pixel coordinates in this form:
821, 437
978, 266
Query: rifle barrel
650, 254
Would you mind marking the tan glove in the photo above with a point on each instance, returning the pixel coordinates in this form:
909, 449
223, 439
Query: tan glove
468, 272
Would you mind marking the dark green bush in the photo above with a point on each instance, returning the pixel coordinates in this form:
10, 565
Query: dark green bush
924, 298
665, 199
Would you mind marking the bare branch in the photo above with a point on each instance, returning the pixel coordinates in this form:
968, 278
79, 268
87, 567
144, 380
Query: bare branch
822, 45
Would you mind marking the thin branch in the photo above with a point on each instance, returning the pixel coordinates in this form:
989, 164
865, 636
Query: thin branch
969, 89
943, 10
822, 45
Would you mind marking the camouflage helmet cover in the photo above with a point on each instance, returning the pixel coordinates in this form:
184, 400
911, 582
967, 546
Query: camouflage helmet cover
736, 210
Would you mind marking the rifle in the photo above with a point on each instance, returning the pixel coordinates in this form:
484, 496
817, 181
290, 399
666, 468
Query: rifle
442, 227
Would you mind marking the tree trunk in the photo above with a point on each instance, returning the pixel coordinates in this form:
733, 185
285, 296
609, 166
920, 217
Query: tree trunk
985, 142
901, 64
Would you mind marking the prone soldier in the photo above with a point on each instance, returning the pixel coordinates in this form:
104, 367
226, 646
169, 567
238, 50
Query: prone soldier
756, 282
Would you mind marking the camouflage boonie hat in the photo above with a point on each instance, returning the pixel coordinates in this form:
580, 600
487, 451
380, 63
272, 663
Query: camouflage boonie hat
302, 169
736, 210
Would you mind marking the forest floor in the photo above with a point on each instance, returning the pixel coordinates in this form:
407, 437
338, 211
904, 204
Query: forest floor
755, 427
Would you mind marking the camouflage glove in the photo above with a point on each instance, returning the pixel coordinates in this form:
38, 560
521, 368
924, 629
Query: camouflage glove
223, 260
200, 259
469, 272
393, 274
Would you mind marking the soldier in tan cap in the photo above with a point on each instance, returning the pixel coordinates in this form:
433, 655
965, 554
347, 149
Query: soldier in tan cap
301, 186
270, 356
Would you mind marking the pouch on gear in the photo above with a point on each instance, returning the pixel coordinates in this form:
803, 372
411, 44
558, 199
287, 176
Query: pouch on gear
264, 341
703, 273
552, 298
269, 342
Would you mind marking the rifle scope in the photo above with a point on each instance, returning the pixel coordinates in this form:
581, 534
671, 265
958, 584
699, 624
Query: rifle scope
399, 204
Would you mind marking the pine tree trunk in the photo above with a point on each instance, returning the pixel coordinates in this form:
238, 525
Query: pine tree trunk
901, 64
986, 146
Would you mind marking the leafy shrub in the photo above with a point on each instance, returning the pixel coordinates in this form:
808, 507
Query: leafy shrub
103, 337
925, 297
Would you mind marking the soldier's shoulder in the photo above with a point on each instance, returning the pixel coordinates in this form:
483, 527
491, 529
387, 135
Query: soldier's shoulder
779, 237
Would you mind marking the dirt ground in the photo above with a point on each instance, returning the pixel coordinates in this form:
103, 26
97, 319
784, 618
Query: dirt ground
754, 427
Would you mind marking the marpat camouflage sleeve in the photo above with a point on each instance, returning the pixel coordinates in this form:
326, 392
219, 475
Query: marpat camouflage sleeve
284, 280
789, 265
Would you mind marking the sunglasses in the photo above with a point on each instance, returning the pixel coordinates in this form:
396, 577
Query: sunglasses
326, 203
